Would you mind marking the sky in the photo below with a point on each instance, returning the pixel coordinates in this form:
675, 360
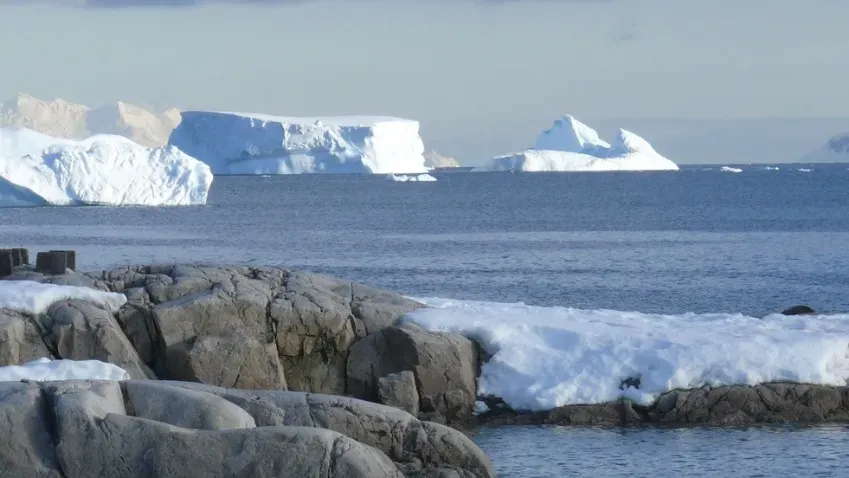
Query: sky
482, 76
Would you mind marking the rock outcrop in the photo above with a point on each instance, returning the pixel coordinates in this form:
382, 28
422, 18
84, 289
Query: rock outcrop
239, 327
267, 330
444, 368
773, 402
151, 428
253, 328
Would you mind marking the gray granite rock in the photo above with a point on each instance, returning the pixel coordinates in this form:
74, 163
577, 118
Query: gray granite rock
444, 367
161, 428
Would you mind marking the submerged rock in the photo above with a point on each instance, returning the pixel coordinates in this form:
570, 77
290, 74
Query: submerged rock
799, 310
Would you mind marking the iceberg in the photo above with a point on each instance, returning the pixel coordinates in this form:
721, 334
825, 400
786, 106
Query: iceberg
38, 170
729, 169
570, 145
243, 143
402, 178
546, 357
835, 150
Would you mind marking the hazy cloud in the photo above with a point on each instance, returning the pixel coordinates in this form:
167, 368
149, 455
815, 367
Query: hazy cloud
194, 3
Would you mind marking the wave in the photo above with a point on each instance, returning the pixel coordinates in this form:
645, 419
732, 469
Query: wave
546, 357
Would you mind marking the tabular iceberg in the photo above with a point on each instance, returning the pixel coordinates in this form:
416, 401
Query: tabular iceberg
38, 170
570, 145
241, 143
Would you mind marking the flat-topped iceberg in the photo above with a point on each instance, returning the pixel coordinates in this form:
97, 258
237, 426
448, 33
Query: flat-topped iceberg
570, 145
38, 170
242, 143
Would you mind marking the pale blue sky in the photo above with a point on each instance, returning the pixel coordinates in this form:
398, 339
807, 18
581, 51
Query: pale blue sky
481, 76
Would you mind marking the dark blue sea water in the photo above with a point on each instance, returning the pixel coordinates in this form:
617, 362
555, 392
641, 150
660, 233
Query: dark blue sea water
698, 240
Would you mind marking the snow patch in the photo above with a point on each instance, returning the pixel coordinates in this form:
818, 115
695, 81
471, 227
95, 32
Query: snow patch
46, 370
36, 170
242, 143
408, 178
545, 357
570, 145
35, 298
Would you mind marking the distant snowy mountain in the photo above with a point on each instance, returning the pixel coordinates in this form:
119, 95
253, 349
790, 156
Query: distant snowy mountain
835, 150
39, 170
247, 143
62, 119
570, 145
436, 160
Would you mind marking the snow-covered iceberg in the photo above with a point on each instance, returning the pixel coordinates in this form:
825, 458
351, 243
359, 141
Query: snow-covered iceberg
570, 145
546, 357
37, 170
404, 178
241, 143
835, 150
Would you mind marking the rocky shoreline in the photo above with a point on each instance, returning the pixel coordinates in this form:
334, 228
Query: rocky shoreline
265, 346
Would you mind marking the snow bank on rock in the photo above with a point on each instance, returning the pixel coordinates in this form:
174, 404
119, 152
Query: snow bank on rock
46, 370
545, 357
239, 143
36, 170
570, 145
407, 178
35, 298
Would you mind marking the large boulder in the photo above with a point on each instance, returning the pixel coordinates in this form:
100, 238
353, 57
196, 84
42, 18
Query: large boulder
84, 331
184, 320
21, 339
443, 365
144, 428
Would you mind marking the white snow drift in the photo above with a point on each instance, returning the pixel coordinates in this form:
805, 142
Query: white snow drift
35, 298
545, 357
46, 370
240, 143
570, 145
36, 170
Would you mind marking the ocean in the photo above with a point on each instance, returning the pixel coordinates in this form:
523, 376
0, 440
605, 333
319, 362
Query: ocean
699, 240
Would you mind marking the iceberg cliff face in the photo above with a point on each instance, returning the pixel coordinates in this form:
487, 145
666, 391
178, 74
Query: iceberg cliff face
239, 143
570, 145
38, 170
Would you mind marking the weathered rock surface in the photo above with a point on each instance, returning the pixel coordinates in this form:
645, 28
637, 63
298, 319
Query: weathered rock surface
773, 402
399, 390
264, 328
157, 428
444, 367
